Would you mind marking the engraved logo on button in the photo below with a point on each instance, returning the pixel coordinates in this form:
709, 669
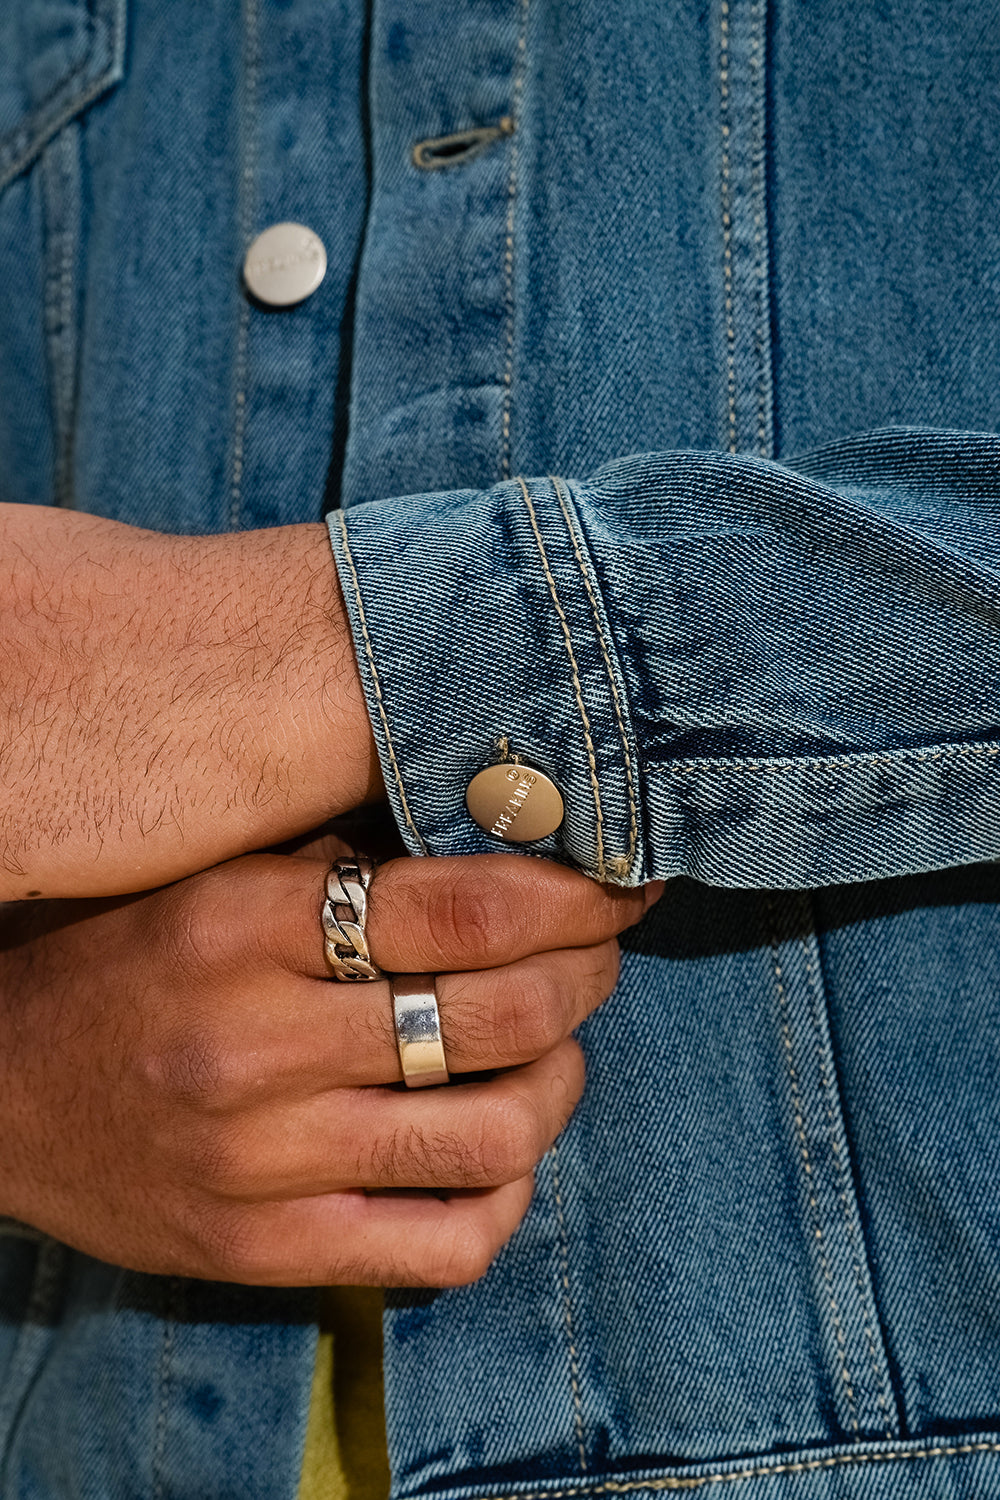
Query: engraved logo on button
264, 265
515, 802
284, 265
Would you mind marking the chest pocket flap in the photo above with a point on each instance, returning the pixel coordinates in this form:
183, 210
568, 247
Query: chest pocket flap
56, 57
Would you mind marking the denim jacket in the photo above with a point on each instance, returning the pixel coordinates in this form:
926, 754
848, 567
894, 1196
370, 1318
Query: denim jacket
755, 243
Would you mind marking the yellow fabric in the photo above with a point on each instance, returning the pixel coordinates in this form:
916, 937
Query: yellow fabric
345, 1455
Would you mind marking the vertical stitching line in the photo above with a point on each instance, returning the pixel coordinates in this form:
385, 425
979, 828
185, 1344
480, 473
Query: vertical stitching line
66, 340
633, 838
508, 259
378, 686
59, 301
826, 1086
251, 69
577, 687
727, 224
757, 194
574, 1366
164, 1382
800, 1131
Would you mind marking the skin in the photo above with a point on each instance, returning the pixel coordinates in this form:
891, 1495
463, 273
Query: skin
181, 1089
168, 702
184, 1090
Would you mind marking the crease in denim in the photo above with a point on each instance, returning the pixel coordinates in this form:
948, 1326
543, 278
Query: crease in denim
595, 784
881, 1384
574, 1362
815, 1216
622, 865
60, 175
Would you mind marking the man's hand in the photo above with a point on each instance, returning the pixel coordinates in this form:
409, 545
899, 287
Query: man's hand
167, 702
183, 1091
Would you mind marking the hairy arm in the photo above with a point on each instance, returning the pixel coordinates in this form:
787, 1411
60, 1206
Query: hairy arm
167, 702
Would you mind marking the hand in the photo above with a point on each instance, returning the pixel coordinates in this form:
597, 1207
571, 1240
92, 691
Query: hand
183, 1091
168, 702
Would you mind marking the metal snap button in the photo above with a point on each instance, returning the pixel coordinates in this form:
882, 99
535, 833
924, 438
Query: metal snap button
515, 802
284, 265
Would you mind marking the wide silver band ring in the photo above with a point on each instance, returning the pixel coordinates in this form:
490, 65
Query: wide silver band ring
418, 1030
344, 913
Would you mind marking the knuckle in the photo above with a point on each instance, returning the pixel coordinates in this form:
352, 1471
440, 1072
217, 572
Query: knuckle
537, 1019
218, 1164
196, 1069
198, 937
474, 1021
569, 1083
508, 1144
236, 1247
600, 971
462, 1255
464, 917
613, 962
393, 1159
410, 1157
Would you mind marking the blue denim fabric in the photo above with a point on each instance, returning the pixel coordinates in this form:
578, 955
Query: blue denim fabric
766, 1252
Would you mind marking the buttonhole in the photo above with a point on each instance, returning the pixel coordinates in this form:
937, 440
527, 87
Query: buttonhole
455, 150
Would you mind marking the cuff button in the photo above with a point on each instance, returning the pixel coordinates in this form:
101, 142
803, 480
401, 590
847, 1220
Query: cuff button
515, 802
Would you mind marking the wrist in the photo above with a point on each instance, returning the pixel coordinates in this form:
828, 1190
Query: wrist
290, 741
173, 701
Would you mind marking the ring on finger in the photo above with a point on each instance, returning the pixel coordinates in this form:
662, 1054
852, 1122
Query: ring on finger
418, 1030
344, 914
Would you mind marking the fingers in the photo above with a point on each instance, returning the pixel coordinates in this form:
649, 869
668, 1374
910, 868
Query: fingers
479, 1134
479, 911
362, 1239
300, 1037
424, 915
497, 1018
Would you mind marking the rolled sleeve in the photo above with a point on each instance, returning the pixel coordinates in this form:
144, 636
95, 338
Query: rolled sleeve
756, 674
481, 634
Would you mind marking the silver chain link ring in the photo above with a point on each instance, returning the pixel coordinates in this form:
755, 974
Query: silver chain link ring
344, 912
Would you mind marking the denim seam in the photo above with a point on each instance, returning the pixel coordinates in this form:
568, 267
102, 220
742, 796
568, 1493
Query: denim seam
727, 225
378, 686
577, 685
843, 1190
831, 763
574, 1364
25, 129
807, 1167
622, 867
763, 1471
60, 191
251, 70
508, 258
758, 193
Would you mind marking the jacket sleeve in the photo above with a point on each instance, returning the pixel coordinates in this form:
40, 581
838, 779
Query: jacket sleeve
757, 674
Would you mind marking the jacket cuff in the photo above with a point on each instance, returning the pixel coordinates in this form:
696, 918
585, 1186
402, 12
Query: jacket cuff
481, 636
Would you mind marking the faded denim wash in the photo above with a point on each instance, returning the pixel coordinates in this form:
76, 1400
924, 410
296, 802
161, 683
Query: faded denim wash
765, 1254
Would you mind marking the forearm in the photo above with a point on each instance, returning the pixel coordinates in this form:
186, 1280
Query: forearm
168, 701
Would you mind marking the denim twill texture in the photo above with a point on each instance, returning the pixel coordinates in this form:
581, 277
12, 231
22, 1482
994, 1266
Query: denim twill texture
766, 1252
